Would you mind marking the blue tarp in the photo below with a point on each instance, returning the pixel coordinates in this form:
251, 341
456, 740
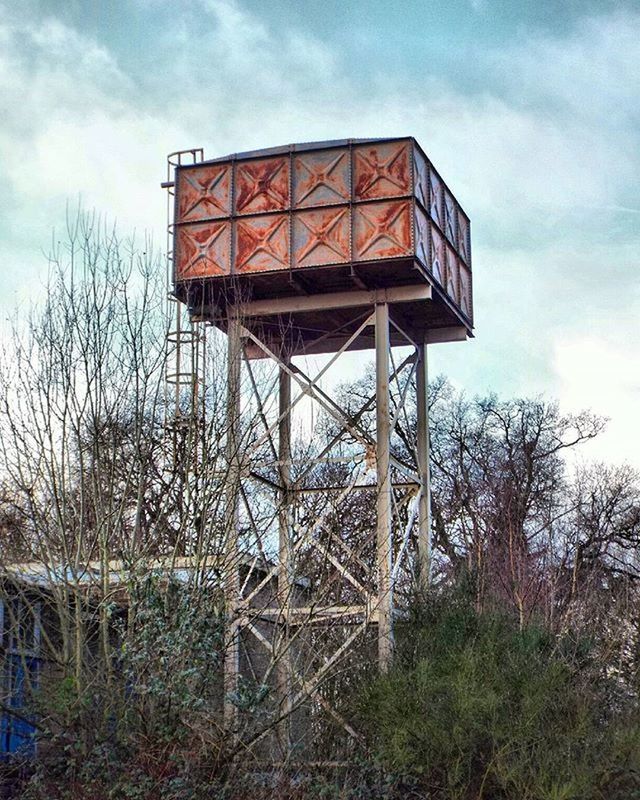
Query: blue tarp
17, 734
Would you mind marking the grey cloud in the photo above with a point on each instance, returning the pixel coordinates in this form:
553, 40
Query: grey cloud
544, 158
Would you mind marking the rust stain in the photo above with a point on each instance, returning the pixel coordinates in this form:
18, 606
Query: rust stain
381, 170
262, 185
262, 243
204, 192
202, 250
321, 236
382, 230
321, 178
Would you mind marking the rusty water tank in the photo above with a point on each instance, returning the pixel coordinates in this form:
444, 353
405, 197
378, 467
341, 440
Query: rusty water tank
355, 218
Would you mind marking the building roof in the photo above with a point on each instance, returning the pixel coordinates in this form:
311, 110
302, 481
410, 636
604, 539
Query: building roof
184, 569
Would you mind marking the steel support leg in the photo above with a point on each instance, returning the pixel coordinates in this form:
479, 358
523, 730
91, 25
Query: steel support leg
384, 499
231, 561
284, 561
422, 447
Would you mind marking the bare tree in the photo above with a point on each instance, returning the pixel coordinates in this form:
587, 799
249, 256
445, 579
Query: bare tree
95, 484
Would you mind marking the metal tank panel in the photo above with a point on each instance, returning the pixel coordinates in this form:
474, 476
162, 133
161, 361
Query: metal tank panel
321, 236
205, 250
382, 230
261, 243
205, 194
322, 178
262, 186
382, 170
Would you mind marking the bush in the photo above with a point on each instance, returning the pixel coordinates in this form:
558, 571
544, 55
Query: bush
477, 708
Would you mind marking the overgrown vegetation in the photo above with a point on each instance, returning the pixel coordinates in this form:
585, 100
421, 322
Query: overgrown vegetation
478, 707
475, 707
154, 725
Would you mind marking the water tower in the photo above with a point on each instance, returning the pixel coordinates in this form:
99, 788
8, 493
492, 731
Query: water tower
322, 248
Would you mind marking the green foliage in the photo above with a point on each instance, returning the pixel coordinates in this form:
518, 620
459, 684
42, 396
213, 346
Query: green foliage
171, 652
477, 708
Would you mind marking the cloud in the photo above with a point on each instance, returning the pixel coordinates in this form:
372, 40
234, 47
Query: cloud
600, 371
77, 123
589, 73
543, 156
71, 128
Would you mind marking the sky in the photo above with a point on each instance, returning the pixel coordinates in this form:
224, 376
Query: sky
529, 110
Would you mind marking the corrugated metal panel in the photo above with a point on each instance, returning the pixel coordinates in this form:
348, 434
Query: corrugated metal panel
18, 733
